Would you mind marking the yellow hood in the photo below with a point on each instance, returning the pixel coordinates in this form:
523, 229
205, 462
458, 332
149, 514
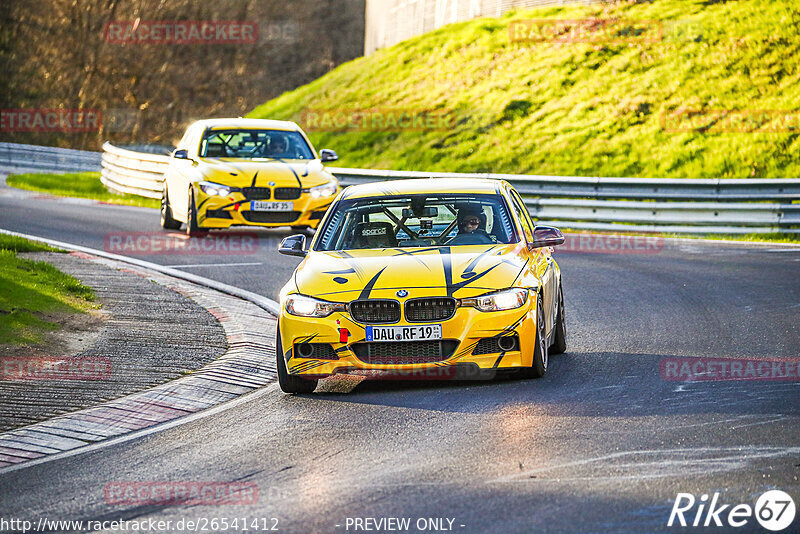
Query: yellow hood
462, 271
260, 172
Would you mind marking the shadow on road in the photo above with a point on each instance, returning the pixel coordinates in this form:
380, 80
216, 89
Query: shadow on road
603, 384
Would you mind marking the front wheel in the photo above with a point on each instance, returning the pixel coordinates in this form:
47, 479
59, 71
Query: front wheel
167, 222
191, 218
559, 345
538, 366
290, 383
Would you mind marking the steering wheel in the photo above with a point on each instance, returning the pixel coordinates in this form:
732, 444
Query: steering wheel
471, 239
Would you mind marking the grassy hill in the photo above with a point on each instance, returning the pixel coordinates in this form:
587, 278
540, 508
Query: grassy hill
672, 88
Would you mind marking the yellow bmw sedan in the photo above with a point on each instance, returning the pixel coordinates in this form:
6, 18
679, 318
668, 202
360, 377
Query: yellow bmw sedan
411, 278
246, 172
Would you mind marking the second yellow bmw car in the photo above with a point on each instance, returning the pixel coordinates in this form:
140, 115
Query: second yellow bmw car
418, 275
246, 172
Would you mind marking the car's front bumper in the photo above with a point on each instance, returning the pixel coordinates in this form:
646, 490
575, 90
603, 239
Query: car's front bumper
466, 329
235, 210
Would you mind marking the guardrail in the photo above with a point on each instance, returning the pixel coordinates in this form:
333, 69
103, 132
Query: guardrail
696, 206
15, 157
670, 205
137, 173
689, 189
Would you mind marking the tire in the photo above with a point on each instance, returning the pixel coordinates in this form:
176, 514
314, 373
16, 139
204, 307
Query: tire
191, 217
559, 345
167, 222
290, 383
538, 366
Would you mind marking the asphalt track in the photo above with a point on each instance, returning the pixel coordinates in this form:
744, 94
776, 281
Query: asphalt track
603, 443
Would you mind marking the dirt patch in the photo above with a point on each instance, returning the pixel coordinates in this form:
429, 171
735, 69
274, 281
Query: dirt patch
76, 333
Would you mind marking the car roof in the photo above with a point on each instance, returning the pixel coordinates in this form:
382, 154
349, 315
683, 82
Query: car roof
259, 124
424, 185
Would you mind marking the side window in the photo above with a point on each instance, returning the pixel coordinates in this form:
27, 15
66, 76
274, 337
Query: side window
522, 213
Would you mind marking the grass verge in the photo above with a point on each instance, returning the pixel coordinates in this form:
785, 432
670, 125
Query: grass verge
751, 238
80, 185
709, 92
35, 294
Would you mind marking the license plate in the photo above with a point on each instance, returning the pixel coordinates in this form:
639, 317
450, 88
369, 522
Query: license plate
266, 205
403, 333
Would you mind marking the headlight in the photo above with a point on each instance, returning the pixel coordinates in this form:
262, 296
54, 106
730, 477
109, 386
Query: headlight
304, 306
508, 299
210, 188
324, 190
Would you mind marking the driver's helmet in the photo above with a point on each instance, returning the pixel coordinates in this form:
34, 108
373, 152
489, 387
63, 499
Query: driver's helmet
279, 144
471, 211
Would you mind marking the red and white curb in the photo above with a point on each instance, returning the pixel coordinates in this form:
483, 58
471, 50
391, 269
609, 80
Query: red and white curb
247, 365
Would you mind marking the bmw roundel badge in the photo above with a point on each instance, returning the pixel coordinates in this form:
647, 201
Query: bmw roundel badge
402, 293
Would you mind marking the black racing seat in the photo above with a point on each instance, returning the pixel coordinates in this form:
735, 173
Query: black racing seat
374, 235
215, 150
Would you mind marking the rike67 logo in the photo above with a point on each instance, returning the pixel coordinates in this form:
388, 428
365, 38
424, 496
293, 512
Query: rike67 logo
774, 510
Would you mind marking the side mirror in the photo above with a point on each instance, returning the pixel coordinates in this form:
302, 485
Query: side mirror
546, 236
181, 154
326, 154
294, 245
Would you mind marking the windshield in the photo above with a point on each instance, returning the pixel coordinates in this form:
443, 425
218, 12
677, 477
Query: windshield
417, 221
237, 143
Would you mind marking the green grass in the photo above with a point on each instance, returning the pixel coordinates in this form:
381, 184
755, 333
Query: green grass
81, 185
585, 109
34, 294
19, 244
752, 238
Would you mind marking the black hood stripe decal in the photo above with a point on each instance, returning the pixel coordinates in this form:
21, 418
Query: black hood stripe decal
299, 183
465, 283
447, 265
520, 271
343, 271
478, 258
401, 252
368, 288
